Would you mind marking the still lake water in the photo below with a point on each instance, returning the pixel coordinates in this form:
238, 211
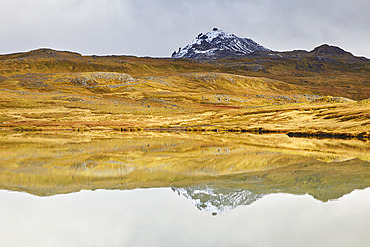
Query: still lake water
162, 217
209, 189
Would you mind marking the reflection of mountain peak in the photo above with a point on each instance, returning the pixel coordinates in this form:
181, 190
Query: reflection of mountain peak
217, 200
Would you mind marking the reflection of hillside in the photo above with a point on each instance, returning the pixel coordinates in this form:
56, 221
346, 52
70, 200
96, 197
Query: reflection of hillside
216, 199
60, 162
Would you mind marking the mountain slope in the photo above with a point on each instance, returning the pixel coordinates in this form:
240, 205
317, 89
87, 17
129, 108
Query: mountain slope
218, 44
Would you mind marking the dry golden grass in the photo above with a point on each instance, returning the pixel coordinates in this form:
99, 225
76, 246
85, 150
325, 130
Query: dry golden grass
212, 100
50, 89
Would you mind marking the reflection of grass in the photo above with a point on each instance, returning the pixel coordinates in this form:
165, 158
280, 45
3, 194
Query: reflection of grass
59, 162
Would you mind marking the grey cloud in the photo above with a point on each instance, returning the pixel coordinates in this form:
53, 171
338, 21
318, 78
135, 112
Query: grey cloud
157, 27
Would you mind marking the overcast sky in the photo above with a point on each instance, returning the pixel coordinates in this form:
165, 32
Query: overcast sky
158, 27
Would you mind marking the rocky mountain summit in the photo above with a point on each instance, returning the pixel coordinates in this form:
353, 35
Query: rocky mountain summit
330, 50
218, 44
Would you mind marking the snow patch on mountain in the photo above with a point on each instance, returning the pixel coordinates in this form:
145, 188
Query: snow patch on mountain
217, 44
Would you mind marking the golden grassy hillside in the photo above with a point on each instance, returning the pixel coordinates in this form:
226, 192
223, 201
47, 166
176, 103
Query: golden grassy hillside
46, 89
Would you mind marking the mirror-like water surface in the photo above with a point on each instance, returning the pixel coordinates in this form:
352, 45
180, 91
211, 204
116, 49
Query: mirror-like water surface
205, 189
160, 217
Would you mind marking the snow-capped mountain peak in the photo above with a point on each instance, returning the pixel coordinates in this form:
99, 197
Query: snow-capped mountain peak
210, 36
218, 44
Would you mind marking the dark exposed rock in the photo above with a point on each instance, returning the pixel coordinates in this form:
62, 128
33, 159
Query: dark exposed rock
329, 50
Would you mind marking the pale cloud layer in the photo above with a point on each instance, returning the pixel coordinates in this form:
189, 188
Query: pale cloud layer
160, 217
158, 27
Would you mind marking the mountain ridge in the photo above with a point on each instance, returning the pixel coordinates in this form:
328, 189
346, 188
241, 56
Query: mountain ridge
317, 72
218, 44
